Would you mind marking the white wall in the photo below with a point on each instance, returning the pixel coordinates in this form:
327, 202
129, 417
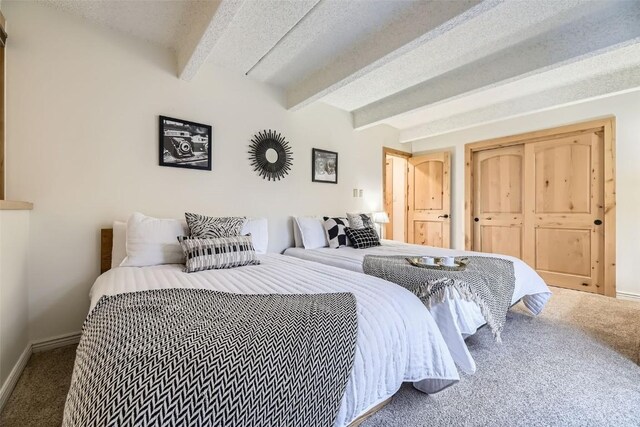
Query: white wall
626, 109
14, 334
82, 110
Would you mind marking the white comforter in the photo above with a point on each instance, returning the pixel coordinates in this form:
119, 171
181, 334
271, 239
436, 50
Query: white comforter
398, 339
456, 318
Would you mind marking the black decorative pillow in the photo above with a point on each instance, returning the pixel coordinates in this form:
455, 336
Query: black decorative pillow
223, 252
359, 221
362, 238
334, 229
209, 227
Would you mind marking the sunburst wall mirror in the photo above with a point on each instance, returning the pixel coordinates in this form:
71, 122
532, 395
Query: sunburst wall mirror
270, 155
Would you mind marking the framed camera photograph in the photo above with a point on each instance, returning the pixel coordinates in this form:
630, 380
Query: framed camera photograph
324, 166
184, 144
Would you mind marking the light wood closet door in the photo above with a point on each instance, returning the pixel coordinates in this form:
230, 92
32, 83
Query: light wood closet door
429, 200
565, 196
499, 201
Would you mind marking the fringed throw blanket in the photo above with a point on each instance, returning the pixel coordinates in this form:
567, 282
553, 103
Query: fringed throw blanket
189, 357
489, 282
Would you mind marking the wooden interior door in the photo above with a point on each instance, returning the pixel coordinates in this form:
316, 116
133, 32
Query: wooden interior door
565, 193
498, 202
429, 200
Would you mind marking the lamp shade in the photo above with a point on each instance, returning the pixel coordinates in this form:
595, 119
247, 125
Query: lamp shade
380, 218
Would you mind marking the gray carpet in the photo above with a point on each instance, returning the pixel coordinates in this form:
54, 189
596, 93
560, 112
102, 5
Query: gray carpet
575, 365
544, 374
38, 399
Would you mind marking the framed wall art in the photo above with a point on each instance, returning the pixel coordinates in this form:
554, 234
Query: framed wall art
184, 144
324, 166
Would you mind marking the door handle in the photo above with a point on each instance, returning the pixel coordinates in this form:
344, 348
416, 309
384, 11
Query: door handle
445, 216
476, 219
597, 222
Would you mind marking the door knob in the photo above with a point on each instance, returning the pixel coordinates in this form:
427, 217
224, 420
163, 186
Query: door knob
597, 222
445, 216
476, 219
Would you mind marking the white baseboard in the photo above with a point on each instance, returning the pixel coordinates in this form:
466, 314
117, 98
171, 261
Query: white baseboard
628, 296
14, 376
55, 342
33, 347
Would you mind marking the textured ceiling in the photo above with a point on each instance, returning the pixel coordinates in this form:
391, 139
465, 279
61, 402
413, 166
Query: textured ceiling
161, 22
332, 29
574, 40
597, 76
425, 67
255, 29
453, 49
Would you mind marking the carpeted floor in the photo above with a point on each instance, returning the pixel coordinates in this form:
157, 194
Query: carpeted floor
38, 399
575, 365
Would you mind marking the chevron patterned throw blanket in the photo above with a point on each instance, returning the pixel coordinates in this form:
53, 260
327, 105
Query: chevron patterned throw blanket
487, 281
193, 357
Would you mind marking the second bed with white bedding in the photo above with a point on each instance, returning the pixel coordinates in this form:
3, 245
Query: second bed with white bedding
398, 339
456, 318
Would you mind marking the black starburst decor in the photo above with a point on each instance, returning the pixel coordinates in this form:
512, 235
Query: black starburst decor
270, 168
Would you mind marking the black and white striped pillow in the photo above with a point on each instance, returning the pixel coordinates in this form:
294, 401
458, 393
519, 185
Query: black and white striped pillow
362, 238
209, 227
218, 253
334, 229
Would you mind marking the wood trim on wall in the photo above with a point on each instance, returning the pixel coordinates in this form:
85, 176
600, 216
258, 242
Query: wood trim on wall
541, 135
2, 111
387, 196
393, 152
607, 126
610, 207
386, 151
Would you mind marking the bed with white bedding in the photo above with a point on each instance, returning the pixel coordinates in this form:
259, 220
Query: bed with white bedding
397, 338
456, 318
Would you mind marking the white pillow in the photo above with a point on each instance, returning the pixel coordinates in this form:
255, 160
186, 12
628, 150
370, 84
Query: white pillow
312, 232
259, 229
297, 238
153, 241
119, 247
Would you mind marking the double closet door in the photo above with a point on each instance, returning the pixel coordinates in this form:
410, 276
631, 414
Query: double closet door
543, 202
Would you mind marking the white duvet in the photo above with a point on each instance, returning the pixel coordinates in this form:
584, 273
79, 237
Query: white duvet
398, 339
456, 318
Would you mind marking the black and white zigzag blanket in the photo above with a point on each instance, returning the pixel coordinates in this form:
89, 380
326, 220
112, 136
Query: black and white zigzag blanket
194, 357
487, 281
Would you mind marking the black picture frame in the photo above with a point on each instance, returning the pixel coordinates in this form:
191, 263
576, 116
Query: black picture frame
324, 166
184, 144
